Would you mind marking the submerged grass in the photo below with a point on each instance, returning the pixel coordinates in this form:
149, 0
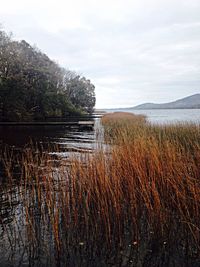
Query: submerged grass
136, 205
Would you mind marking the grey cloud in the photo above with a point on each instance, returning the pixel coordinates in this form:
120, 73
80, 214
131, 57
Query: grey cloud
152, 55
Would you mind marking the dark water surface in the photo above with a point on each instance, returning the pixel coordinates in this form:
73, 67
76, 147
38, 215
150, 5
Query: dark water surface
60, 142
20, 136
63, 141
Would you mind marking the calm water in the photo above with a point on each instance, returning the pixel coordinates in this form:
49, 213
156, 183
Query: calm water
79, 141
65, 138
63, 142
169, 115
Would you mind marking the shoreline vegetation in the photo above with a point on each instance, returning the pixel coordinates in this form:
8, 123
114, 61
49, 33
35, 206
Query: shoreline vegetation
135, 204
35, 88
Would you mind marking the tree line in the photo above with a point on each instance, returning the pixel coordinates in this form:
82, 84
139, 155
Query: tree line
34, 87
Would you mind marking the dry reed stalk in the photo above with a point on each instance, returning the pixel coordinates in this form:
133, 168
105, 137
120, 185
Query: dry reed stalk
145, 193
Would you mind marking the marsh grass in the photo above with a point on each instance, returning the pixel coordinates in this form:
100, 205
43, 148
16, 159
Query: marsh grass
137, 205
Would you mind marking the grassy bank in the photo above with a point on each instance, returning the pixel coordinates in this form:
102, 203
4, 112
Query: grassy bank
137, 204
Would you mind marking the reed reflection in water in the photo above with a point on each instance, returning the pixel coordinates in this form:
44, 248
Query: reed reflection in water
134, 203
34, 178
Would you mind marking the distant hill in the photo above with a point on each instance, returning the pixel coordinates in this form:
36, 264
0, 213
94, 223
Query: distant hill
189, 102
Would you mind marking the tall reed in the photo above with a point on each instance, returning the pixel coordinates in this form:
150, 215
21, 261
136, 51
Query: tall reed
138, 204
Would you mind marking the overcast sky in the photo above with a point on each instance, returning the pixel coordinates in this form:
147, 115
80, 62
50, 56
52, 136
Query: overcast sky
133, 51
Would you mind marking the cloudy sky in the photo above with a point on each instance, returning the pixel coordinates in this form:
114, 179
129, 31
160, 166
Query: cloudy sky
133, 51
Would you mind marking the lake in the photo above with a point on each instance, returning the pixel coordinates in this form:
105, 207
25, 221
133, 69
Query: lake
65, 138
69, 139
59, 144
167, 115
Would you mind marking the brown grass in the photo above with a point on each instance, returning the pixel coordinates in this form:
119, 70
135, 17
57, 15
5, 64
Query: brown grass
137, 204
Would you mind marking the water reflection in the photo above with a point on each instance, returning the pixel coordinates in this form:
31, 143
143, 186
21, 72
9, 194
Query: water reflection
26, 234
66, 138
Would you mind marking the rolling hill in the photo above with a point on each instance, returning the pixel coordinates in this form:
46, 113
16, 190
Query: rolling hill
189, 102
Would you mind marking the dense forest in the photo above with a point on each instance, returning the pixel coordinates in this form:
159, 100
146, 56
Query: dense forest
34, 87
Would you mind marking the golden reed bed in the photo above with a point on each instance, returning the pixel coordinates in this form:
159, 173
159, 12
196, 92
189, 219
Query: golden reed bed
136, 205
